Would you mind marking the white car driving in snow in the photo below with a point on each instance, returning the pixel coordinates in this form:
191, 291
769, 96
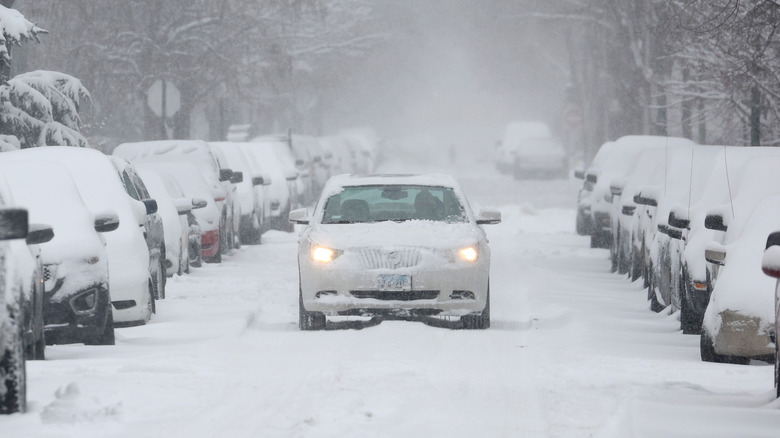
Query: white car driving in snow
394, 246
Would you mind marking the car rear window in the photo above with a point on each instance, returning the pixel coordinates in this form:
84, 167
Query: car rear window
379, 203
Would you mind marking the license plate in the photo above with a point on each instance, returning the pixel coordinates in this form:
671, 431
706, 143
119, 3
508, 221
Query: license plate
394, 282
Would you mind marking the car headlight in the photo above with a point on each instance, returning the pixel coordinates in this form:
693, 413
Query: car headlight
469, 254
323, 254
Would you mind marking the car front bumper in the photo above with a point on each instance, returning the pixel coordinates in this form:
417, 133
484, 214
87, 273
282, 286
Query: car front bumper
743, 336
454, 288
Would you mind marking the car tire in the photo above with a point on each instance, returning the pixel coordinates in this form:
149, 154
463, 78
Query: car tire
309, 321
777, 369
107, 337
480, 321
13, 378
690, 322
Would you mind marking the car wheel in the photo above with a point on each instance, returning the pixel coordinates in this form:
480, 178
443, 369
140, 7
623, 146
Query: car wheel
309, 321
107, 336
13, 379
480, 321
655, 305
690, 322
777, 368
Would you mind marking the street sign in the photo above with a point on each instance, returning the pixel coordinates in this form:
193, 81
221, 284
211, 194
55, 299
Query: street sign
163, 98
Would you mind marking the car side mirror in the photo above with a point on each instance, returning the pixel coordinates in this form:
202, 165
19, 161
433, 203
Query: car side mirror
225, 174
13, 223
488, 217
105, 223
317, 159
199, 203
299, 162
616, 189
300, 216
579, 174
643, 199
151, 206
237, 177
39, 233
183, 205
628, 210
770, 262
715, 253
678, 221
257, 181
291, 176
715, 222
592, 178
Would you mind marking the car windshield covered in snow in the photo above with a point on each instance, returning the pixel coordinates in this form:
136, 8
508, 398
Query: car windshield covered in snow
378, 203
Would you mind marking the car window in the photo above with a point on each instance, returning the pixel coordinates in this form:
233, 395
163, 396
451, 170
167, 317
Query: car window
378, 203
139, 185
129, 186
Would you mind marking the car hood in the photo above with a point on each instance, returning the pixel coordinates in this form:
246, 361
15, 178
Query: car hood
417, 233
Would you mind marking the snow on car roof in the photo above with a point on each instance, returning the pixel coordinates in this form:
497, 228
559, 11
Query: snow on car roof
144, 149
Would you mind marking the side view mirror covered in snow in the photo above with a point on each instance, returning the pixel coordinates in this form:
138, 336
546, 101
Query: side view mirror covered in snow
770, 263
300, 216
678, 221
106, 222
488, 217
39, 233
715, 222
715, 253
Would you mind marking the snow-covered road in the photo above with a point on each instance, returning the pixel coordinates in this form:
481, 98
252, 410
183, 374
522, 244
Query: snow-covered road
573, 351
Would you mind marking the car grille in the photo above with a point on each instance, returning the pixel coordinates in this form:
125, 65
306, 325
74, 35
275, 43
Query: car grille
396, 296
375, 258
47, 272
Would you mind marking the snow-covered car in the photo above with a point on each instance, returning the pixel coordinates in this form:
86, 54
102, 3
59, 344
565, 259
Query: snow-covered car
130, 283
13, 371
390, 246
515, 134
274, 157
616, 164
261, 189
199, 154
204, 210
154, 232
738, 323
540, 158
77, 306
770, 264
584, 224
250, 208
724, 181
173, 208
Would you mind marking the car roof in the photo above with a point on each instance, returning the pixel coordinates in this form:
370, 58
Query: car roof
431, 179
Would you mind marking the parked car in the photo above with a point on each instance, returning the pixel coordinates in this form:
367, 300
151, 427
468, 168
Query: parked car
514, 134
204, 208
154, 231
130, 281
173, 207
261, 189
13, 371
77, 305
250, 204
393, 247
198, 154
615, 165
283, 190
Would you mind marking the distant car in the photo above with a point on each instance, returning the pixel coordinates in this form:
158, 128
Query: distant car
393, 247
515, 134
283, 190
540, 158
130, 282
75, 265
13, 374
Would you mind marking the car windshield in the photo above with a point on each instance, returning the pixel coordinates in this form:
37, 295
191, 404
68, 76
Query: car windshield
379, 203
